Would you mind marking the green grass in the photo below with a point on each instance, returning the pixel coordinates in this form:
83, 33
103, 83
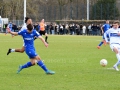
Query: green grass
74, 58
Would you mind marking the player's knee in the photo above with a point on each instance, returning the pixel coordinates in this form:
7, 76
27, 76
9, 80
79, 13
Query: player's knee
38, 58
22, 50
33, 62
115, 50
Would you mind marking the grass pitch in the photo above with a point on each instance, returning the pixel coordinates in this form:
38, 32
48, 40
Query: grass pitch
75, 59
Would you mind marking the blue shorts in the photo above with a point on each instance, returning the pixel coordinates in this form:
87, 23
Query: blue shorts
31, 53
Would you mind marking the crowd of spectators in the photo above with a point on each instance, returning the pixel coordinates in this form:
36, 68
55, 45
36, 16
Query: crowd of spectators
65, 29
72, 29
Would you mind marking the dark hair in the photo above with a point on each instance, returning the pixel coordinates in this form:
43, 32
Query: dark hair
116, 22
26, 19
30, 27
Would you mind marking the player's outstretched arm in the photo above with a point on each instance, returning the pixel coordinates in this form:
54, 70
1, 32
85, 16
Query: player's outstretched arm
13, 33
43, 40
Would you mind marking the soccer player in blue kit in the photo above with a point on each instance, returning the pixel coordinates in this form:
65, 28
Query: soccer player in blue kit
104, 28
28, 37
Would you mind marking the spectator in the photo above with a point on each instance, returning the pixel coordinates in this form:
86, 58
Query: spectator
14, 27
87, 30
90, 30
98, 30
94, 29
66, 29
61, 29
52, 29
37, 27
84, 29
57, 27
71, 29
77, 29
81, 26
47, 28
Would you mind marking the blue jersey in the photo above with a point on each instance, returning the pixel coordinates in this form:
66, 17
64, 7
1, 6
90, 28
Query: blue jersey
29, 42
106, 27
10, 26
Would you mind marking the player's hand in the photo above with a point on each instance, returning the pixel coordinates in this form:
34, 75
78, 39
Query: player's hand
46, 44
118, 34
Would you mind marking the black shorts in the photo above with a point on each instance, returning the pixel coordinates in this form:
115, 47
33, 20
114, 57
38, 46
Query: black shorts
42, 32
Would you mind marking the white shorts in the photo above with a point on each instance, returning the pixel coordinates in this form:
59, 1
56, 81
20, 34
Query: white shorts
112, 46
23, 44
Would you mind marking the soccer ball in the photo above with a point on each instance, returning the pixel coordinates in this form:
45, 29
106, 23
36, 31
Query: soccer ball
103, 62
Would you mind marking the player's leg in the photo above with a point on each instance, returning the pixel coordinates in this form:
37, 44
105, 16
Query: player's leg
116, 50
20, 50
42, 65
32, 55
27, 65
46, 37
101, 43
12, 31
15, 50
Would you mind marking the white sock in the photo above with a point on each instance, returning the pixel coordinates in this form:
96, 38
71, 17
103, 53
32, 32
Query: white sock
12, 50
118, 57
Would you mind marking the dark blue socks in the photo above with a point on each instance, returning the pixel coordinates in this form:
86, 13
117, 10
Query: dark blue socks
28, 64
42, 65
100, 43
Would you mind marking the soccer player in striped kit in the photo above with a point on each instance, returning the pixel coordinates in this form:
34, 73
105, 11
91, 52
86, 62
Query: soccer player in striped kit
114, 41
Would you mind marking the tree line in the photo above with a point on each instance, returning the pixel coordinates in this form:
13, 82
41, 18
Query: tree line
53, 9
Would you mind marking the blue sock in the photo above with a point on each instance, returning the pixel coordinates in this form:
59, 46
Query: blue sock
42, 65
100, 43
28, 64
